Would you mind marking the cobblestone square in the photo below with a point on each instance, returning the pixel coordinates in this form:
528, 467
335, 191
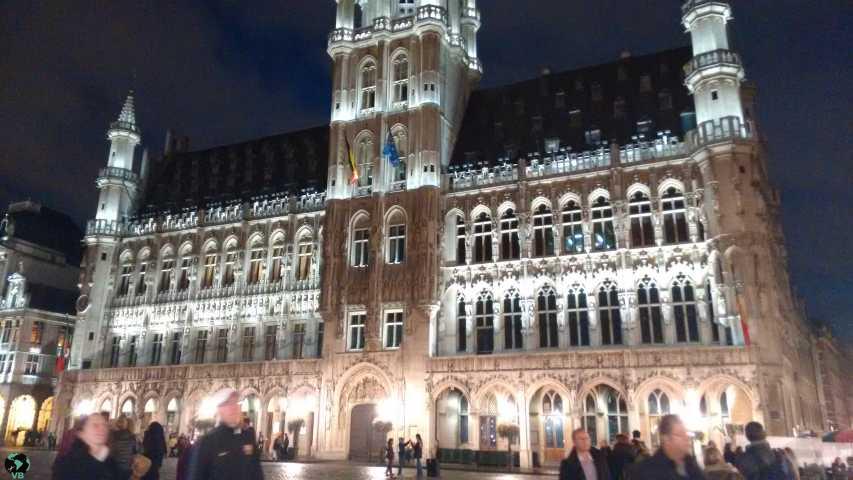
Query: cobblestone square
42, 460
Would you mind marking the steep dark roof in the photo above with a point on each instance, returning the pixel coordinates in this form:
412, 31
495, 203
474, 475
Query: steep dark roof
286, 162
52, 299
46, 227
521, 116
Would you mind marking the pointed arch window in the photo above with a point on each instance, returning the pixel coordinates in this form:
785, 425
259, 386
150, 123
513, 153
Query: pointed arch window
210, 260
512, 322
400, 136
684, 311
166, 274
609, 314
572, 228
546, 305
184, 275
510, 246
364, 159
461, 326
674, 217
603, 236
484, 318
400, 68
142, 286
124, 279
228, 276
651, 325
483, 238
368, 86
658, 403
590, 415
640, 212
461, 240
304, 257
360, 243
543, 232
552, 410
578, 318
256, 263
716, 327
277, 260
396, 236
617, 412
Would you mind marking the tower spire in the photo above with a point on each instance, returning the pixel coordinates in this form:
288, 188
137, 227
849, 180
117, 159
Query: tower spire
127, 117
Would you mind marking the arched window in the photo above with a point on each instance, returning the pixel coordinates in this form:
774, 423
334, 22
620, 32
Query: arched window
461, 240
396, 235
684, 311
210, 260
543, 232
572, 228
651, 326
364, 159
166, 272
617, 412
184, 272
552, 410
360, 247
461, 325
725, 413
578, 318
142, 286
546, 306
483, 238
256, 263
277, 260
658, 407
368, 86
305, 255
674, 219
463, 419
609, 315
603, 236
590, 414
510, 248
484, 317
124, 277
400, 68
230, 264
640, 211
172, 414
512, 321
401, 142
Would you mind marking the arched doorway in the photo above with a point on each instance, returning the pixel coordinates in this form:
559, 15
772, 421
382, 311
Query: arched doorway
724, 409
275, 426
452, 420
365, 441
172, 416
22, 414
250, 406
44, 414
609, 405
149, 413
548, 427
658, 405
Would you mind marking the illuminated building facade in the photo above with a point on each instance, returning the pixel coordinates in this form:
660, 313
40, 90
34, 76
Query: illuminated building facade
39, 258
591, 248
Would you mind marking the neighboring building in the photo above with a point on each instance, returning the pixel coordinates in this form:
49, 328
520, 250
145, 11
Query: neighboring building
591, 248
835, 379
39, 256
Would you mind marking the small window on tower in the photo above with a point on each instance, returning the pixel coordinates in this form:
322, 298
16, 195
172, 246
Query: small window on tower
715, 95
407, 7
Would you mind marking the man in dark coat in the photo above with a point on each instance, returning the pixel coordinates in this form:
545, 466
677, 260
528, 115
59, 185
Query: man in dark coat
672, 461
759, 461
621, 456
585, 462
227, 452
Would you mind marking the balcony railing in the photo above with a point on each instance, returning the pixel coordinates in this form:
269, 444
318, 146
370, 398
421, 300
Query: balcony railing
565, 162
432, 12
103, 227
716, 131
691, 4
712, 58
116, 173
470, 177
120, 125
426, 13
651, 150
341, 35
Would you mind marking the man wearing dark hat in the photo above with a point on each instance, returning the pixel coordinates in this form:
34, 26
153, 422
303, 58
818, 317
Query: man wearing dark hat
226, 452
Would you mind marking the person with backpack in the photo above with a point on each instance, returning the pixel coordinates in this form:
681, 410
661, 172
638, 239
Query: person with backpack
759, 461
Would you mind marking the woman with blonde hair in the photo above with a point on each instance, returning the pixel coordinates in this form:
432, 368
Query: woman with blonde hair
716, 467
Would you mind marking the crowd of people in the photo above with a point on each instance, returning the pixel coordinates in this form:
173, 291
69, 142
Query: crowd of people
630, 459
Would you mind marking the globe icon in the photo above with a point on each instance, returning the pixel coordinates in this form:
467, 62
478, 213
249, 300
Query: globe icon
17, 463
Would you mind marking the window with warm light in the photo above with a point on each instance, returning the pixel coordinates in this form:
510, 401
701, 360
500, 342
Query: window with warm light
305, 255
209, 270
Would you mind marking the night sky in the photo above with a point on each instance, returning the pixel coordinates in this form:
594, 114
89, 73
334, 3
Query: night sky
224, 71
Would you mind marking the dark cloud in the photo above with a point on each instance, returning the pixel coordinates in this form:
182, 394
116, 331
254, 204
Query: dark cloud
227, 70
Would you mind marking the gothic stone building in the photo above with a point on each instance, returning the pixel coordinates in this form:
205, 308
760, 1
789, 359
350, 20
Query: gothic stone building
589, 248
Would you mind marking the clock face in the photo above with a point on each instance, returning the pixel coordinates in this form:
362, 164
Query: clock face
82, 303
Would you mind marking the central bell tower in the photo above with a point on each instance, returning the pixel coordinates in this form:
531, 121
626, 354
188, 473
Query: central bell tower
402, 74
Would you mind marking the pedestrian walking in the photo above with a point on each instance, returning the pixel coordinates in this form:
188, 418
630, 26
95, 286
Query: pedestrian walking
641, 451
123, 445
389, 459
621, 456
672, 461
716, 467
226, 452
584, 462
759, 461
89, 455
154, 447
417, 453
